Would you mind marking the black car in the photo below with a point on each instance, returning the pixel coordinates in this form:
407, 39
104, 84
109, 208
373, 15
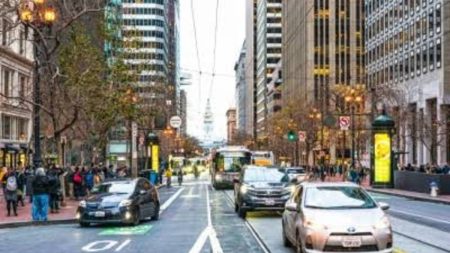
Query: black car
125, 201
261, 189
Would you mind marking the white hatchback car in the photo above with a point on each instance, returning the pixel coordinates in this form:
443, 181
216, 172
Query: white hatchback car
335, 217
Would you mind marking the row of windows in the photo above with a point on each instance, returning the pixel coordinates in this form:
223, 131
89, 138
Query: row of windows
143, 22
143, 11
430, 21
401, 7
417, 62
143, 1
14, 128
144, 56
133, 33
147, 67
144, 44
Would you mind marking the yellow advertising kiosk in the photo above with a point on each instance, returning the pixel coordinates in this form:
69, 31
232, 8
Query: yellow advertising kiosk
153, 150
382, 174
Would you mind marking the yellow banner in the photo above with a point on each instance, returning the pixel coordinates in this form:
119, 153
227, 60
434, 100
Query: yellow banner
155, 158
382, 158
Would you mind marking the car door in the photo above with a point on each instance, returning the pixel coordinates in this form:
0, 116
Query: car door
148, 199
292, 216
237, 187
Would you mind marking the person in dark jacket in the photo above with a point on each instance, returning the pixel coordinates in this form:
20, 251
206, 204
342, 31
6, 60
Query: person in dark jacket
29, 177
11, 188
54, 188
40, 186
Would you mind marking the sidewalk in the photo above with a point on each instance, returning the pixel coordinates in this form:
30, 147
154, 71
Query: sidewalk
444, 199
66, 214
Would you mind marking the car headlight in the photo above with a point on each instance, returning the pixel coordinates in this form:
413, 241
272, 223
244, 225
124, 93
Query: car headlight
313, 225
383, 223
244, 189
125, 202
82, 204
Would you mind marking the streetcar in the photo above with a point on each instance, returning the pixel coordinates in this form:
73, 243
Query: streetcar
227, 162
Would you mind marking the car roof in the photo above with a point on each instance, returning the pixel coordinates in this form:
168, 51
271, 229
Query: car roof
318, 184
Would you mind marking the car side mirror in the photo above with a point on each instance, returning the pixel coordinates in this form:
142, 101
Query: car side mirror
142, 192
291, 206
236, 180
383, 205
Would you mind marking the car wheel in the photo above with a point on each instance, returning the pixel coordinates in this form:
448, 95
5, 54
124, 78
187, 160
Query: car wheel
236, 208
156, 215
286, 241
137, 218
84, 224
242, 213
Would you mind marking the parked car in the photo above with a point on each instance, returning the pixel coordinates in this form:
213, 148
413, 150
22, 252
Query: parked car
335, 217
261, 189
125, 201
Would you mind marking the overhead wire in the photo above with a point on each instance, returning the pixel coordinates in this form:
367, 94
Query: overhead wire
216, 29
197, 52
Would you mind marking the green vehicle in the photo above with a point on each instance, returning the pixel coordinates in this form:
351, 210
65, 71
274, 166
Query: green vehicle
227, 163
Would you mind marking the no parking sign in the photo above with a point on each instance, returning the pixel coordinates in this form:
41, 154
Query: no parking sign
344, 122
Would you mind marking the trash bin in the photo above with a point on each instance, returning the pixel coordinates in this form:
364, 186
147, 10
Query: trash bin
153, 177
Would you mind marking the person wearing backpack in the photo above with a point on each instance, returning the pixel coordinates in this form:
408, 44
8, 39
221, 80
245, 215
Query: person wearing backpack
40, 196
11, 188
77, 180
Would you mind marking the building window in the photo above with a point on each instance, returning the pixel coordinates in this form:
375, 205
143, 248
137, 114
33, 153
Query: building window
7, 78
431, 22
22, 42
5, 33
412, 64
418, 59
431, 55
6, 127
438, 18
438, 53
23, 80
22, 129
424, 58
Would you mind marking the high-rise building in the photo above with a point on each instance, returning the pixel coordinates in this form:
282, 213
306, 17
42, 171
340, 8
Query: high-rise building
406, 43
250, 64
268, 54
242, 96
16, 71
183, 112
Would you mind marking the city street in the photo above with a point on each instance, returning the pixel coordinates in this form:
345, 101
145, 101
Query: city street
188, 224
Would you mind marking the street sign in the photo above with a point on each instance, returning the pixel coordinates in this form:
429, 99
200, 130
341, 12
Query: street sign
302, 136
175, 122
141, 140
344, 122
329, 121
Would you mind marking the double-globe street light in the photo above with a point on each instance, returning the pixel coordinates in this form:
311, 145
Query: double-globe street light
353, 99
37, 15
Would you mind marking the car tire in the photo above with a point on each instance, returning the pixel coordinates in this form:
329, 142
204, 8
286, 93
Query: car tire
156, 215
286, 241
298, 244
137, 218
242, 213
84, 224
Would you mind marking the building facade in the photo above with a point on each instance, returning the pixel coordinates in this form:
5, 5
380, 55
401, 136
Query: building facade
406, 49
241, 93
16, 69
231, 125
183, 112
250, 64
268, 54
323, 48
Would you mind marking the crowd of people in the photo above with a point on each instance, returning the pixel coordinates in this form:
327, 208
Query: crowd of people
427, 168
46, 189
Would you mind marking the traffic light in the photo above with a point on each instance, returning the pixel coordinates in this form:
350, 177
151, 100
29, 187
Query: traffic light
292, 136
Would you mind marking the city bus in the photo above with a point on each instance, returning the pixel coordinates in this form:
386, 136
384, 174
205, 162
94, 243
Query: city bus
227, 162
263, 158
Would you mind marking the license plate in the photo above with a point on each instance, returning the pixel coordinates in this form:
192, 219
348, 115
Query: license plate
351, 242
270, 202
99, 214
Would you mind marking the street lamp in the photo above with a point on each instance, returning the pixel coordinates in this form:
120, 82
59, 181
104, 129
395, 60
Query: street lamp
353, 99
36, 14
314, 115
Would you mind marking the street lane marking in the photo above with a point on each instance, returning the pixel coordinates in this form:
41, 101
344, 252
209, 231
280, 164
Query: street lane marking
137, 230
170, 201
420, 216
104, 245
208, 232
123, 245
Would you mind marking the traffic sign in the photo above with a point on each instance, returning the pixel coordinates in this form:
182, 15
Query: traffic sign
302, 136
344, 122
175, 122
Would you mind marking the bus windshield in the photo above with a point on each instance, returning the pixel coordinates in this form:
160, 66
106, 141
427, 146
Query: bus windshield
232, 161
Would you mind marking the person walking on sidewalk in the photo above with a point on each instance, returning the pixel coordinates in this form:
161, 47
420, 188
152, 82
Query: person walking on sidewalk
54, 188
77, 180
29, 177
40, 196
11, 188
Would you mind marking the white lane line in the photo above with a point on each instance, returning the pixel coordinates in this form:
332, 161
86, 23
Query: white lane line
257, 237
201, 240
420, 216
125, 243
170, 201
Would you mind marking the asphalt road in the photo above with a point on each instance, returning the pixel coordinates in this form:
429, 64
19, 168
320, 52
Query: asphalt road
198, 219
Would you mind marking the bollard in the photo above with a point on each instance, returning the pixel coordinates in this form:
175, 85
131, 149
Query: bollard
434, 189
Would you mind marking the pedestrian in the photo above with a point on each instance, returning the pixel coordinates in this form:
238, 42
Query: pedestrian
77, 180
40, 195
89, 179
21, 182
54, 188
169, 177
29, 177
10, 189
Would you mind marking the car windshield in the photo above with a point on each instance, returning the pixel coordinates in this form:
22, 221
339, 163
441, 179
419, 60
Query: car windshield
116, 188
295, 171
232, 161
337, 197
273, 175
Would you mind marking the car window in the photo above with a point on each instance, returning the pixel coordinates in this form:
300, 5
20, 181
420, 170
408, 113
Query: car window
114, 187
338, 197
262, 174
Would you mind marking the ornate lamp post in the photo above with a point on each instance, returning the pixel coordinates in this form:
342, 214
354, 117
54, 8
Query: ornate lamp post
353, 100
37, 15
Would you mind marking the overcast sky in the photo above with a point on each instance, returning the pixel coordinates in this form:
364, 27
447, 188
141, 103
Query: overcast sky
231, 35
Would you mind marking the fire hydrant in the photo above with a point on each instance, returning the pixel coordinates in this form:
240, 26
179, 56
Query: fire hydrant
434, 189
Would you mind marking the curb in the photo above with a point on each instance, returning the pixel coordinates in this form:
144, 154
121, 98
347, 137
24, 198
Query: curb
438, 201
37, 223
